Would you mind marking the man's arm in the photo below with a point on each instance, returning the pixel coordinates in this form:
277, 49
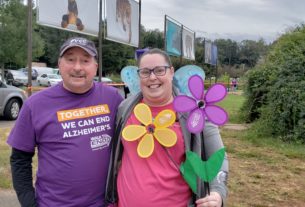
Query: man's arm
21, 166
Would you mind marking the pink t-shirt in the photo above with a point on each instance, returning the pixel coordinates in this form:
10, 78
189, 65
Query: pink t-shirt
153, 181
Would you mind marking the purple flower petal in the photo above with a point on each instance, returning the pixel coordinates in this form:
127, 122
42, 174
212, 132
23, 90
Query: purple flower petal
196, 87
196, 121
216, 114
184, 103
216, 93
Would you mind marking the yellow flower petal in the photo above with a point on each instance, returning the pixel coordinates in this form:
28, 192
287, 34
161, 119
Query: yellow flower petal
166, 137
133, 132
143, 114
165, 118
146, 146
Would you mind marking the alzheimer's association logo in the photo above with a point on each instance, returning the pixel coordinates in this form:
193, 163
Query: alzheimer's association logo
100, 142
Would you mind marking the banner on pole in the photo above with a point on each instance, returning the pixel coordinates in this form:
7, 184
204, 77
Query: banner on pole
214, 55
123, 21
207, 52
188, 44
76, 16
173, 38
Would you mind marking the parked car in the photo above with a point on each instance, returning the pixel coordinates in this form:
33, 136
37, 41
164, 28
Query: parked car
19, 78
104, 79
11, 100
56, 71
49, 79
34, 72
43, 70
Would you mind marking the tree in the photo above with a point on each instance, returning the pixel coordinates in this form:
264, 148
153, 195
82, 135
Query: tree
53, 39
275, 89
153, 39
13, 30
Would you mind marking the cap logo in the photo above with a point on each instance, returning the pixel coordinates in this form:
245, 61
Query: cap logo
79, 41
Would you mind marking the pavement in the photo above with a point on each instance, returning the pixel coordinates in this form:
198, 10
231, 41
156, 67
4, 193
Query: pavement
8, 198
6, 124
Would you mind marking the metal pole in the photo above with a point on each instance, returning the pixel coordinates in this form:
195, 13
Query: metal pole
100, 45
181, 45
29, 47
140, 13
165, 32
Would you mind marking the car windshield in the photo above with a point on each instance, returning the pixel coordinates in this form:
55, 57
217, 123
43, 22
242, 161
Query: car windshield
17, 72
54, 76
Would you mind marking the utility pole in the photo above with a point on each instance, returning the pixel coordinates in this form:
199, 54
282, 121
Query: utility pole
100, 44
29, 47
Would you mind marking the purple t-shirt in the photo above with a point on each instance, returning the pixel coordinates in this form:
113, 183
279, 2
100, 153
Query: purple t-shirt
72, 133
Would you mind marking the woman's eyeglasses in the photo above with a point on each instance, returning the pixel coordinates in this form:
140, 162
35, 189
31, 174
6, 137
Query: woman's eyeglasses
158, 71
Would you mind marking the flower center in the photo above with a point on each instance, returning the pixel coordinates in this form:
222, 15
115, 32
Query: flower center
150, 128
201, 104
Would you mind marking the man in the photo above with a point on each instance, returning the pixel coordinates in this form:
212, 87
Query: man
9, 78
72, 125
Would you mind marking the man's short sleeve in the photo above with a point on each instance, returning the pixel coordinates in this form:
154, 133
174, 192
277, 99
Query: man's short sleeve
22, 136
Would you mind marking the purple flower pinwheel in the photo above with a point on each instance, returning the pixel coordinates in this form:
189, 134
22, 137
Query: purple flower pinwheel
201, 105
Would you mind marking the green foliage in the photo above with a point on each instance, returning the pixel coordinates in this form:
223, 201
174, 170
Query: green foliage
53, 39
275, 89
247, 52
13, 32
115, 56
153, 39
225, 78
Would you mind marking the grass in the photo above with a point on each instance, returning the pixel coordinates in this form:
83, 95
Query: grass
5, 151
232, 103
264, 173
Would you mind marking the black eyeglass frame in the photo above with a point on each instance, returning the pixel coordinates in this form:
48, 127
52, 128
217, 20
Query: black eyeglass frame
153, 71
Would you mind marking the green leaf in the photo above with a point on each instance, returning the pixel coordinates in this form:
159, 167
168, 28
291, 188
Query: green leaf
206, 170
189, 175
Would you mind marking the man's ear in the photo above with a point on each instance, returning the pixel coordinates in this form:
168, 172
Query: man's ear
58, 61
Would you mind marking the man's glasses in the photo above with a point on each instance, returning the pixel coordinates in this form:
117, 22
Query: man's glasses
158, 71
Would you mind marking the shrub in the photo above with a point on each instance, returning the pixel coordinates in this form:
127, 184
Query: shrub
275, 90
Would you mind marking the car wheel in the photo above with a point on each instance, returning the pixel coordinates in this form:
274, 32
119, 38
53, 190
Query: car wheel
49, 84
12, 109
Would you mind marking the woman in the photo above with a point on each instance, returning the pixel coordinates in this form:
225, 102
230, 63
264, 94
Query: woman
156, 180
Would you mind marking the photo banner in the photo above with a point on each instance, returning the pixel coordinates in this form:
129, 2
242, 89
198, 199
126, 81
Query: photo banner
123, 21
188, 44
207, 52
76, 16
173, 38
214, 55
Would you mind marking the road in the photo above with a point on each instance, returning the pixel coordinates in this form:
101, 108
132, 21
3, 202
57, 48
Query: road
8, 198
6, 124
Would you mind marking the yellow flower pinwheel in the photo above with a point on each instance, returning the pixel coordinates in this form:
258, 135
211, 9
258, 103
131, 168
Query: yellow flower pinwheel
157, 128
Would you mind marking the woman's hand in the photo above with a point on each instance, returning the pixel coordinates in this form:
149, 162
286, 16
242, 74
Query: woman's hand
212, 200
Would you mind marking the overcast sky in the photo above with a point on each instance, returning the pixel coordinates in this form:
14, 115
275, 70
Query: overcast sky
234, 19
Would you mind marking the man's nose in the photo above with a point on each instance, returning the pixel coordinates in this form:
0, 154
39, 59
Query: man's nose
78, 65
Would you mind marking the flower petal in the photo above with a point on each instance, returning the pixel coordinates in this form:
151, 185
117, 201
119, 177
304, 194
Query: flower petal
166, 137
133, 132
143, 113
215, 93
196, 86
146, 146
196, 121
165, 119
216, 114
183, 103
